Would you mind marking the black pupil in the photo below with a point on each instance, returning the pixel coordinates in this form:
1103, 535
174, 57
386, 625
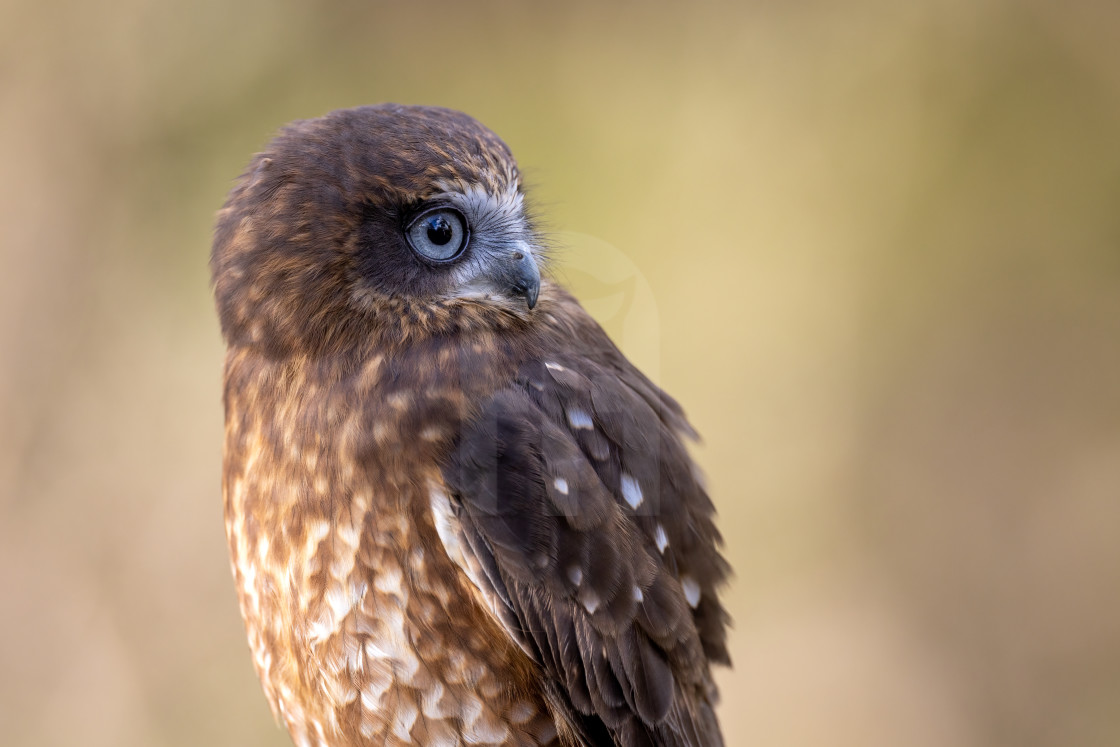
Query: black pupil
439, 230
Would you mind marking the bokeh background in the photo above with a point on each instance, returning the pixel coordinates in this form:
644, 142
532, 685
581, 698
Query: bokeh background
881, 243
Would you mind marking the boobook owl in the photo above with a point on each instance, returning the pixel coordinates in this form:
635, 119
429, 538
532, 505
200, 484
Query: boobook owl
457, 515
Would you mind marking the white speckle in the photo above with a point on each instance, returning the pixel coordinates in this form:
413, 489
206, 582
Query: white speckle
590, 601
398, 400
339, 601
320, 630
447, 528
388, 581
338, 690
374, 651
431, 702
575, 575
249, 581
349, 533
486, 731
405, 718
372, 692
489, 687
660, 538
521, 712
316, 531
578, 418
561, 485
631, 490
638, 596
691, 591
553, 366
470, 709
365, 728
357, 593
355, 660
431, 433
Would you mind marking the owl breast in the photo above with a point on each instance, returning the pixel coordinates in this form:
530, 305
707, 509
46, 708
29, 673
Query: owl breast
363, 630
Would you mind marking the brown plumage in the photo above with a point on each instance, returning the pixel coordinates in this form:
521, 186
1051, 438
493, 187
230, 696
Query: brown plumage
456, 513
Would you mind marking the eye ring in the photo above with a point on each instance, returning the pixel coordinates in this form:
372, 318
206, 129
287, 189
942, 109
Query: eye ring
439, 234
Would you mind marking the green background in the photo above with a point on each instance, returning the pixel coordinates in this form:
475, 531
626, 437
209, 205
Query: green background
877, 245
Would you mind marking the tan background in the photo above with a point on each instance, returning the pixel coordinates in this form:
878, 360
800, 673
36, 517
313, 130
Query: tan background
882, 241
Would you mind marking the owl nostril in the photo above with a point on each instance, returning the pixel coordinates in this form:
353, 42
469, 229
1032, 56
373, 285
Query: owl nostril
518, 256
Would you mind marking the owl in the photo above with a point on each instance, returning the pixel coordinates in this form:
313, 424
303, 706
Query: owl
457, 515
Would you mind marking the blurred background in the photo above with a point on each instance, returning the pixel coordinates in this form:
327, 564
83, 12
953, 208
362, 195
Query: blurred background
878, 250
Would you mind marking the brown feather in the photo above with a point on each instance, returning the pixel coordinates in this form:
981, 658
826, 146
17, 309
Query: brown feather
414, 476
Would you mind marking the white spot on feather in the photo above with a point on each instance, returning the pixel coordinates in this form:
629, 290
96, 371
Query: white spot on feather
350, 534
553, 366
447, 527
388, 581
631, 490
338, 690
432, 433
660, 538
430, 702
399, 400
575, 575
470, 709
638, 596
521, 712
486, 731
691, 591
590, 602
579, 418
561, 485
374, 651
405, 718
338, 601
375, 688
317, 530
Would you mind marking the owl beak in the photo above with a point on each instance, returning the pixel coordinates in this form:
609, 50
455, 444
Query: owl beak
524, 276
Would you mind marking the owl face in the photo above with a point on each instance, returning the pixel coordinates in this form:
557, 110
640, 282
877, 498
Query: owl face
341, 213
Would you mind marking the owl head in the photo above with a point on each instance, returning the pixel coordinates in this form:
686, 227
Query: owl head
345, 223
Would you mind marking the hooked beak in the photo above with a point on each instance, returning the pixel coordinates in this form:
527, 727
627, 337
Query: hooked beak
522, 276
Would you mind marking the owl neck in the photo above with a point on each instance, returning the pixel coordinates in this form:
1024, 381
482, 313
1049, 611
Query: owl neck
387, 325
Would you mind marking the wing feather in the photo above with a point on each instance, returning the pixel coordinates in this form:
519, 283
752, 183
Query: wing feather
591, 535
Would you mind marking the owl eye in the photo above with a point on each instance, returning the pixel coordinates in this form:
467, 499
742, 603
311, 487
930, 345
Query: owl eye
439, 234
